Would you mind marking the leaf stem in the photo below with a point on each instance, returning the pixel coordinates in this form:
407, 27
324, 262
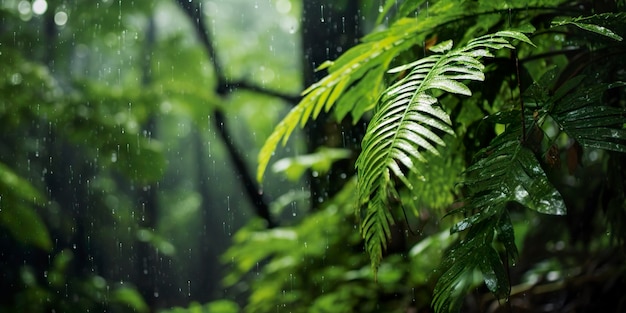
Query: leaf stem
521, 100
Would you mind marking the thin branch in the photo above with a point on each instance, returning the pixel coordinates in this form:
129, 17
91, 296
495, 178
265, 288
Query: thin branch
521, 100
224, 87
242, 84
194, 13
251, 187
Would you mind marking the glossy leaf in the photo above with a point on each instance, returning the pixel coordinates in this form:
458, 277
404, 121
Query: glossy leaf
581, 22
583, 116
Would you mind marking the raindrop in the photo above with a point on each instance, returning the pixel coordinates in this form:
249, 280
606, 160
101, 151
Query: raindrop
24, 7
322, 13
40, 7
60, 18
16, 79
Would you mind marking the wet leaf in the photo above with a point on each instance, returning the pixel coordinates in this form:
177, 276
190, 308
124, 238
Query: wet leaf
601, 30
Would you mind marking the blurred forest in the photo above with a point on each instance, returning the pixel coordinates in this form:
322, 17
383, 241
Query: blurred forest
135, 137
125, 147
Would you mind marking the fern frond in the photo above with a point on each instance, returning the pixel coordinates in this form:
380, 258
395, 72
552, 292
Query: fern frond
506, 171
353, 82
408, 122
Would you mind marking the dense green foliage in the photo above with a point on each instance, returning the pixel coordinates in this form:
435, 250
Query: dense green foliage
548, 119
116, 194
490, 165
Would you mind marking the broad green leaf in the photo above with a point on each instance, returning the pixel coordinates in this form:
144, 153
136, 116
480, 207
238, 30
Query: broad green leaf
129, 297
24, 224
11, 183
17, 212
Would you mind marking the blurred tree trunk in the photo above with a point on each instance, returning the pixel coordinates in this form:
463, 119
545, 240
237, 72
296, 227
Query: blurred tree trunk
147, 273
66, 176
205, 256
329, 28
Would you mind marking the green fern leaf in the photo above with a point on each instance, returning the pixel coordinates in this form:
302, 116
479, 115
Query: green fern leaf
505, 172
408, 122
583, 117
509, 172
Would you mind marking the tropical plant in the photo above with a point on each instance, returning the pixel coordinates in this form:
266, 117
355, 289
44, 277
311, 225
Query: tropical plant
556, 92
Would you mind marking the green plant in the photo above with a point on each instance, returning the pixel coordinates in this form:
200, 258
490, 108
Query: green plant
510, 135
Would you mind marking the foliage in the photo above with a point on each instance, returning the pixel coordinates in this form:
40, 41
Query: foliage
491, 171
400, 130
219, 306
98, 103
510, 134
318, 262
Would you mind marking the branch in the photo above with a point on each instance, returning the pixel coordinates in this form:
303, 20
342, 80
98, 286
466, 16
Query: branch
224, 87
195, 15
242, 84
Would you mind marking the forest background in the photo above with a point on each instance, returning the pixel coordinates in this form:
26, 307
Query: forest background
131, 133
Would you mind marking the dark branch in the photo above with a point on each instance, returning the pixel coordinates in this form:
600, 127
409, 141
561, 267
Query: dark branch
249, 184
224, 86
292, 99
251, 188
194, 13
